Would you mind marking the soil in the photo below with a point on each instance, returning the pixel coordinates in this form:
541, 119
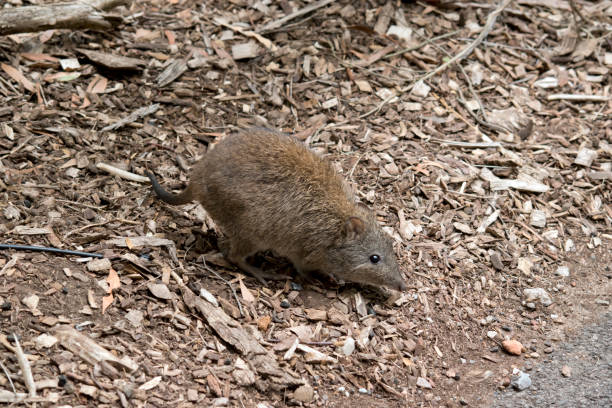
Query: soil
422, 161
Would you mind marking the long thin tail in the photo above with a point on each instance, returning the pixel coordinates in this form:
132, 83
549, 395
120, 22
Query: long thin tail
174, 199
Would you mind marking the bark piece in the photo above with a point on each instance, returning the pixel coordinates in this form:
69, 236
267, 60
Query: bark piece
78, 15
110, 60
227, 328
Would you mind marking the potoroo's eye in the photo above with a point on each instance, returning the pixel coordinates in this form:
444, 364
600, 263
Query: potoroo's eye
375, 259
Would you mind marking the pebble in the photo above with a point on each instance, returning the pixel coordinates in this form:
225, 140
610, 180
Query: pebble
540, 294
562, 271
423, 383
285, 304
513, 347
602, 302
363, 391
304, 393
491, 334
296, 286
566, 371
520, 380
99, 265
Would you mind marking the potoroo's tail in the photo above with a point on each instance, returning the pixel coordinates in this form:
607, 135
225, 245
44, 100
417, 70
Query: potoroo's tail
175, 199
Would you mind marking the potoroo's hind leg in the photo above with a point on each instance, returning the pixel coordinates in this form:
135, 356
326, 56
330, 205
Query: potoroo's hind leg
238, 252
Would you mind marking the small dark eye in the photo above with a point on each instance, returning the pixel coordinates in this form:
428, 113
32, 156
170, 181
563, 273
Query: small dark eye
374, 259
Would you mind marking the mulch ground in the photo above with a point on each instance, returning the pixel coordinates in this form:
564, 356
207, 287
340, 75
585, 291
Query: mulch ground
492, 174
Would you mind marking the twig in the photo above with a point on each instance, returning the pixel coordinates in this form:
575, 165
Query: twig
26, 370
132, 117
421, 45
209, 269
122, 173
278, 23
8, 376
576, 10
49, 249
576, 97
467, 50
475, 145
248, 33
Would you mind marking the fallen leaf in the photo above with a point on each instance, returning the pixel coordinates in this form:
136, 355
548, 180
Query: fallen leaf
18, 77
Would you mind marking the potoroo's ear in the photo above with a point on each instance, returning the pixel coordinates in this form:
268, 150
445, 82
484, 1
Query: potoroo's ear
353, 228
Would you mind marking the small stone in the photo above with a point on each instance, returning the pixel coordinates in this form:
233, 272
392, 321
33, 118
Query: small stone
520, 380
491, 334
540, 294
88, 390
285, 304
99, 265
562, 271
296, 286
31, 301
450, 373
45, 341
363, 391
263, 323
513, 347
421, 89
304, 393
566, 371
423, 383
494, 349
549, 350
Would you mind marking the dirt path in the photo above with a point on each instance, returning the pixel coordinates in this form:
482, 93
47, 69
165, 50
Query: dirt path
587, 361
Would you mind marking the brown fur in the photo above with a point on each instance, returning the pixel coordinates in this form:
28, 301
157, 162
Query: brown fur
266, 190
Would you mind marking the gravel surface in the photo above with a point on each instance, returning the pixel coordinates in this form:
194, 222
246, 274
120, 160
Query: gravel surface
589, 359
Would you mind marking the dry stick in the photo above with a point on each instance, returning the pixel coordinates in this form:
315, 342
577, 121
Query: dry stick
576, 10
24, 364
482, 122
577, 97
467, 50
78, 15
122, 173
464, 53
8, 376
278, 23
